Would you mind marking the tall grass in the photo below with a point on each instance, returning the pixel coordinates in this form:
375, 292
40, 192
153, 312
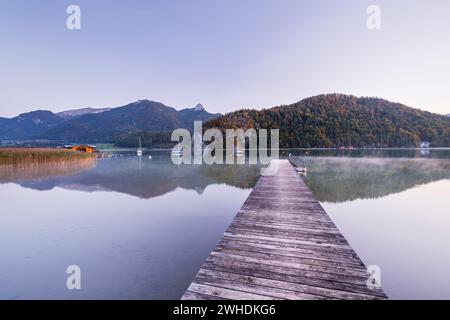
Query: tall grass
33, 156
10, 173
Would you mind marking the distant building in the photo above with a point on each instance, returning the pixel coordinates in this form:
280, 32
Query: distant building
425, 144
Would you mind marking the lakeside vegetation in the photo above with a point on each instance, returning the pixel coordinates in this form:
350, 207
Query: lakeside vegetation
44, 170
337, 120
33, 156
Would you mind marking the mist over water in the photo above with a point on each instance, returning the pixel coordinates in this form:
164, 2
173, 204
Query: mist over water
341, 179
394, 211
406, 235
140, 228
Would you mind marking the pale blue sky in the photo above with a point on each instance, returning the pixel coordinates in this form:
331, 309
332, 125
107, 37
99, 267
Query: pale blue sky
225, 54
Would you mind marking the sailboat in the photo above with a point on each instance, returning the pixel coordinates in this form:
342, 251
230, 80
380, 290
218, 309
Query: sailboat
177, 152
238, 152
139, 150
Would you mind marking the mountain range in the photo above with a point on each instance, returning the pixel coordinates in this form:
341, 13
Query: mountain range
100, 125
28, 125
329, 120
70, 114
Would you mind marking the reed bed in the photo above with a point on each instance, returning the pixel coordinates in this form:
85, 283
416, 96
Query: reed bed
11, 173
36, 156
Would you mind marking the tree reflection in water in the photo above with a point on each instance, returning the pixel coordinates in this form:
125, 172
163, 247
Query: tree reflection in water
339, 179
332, 179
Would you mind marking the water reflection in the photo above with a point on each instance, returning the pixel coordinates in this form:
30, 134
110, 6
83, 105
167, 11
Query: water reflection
406, 235
147, 235
138, 176
437, 153
138, 228
334, 179
43, 171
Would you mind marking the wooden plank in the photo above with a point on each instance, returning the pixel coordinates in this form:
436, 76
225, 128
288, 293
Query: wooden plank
248, 287
327, 256
285, 233
349, 275
297, 245
311, 291
189, 295
282, 245
229, 294
285, 239
292, 276
283, 255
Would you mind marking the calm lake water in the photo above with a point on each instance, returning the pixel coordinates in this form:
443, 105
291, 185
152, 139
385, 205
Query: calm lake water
140, 228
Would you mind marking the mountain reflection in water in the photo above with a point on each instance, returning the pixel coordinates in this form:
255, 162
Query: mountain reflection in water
141, 177
332, 179
130, 248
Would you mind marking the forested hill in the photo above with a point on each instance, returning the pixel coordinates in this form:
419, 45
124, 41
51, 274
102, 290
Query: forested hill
336, 120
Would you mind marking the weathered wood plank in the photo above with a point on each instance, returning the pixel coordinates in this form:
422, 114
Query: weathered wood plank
189, 295
286, 239
348, 275
294, 276
251, 288
229, 294
340, 258
283, 255
282, 245
313, 292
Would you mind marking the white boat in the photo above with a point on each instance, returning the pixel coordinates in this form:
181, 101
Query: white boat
178, 152
424, 145
301, 169
238, 153
139, 150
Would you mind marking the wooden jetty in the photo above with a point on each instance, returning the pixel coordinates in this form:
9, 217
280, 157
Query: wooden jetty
282, 245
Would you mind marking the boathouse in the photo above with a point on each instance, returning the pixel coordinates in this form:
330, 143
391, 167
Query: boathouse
81, 148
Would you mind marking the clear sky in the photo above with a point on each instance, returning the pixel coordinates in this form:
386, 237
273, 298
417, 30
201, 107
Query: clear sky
225, 54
